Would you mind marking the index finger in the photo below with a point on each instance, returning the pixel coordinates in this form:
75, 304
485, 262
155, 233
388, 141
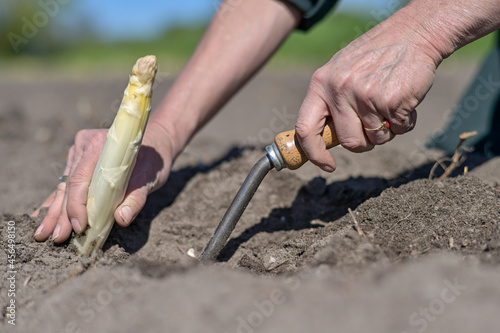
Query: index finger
309, 128
77, 190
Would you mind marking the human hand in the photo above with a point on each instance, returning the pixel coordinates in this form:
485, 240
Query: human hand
67, 204
381, 76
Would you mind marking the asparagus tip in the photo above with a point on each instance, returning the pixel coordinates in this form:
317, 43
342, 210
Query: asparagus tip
145, 68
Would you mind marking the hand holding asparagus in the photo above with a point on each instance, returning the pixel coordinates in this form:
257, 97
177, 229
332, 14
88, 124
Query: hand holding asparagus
118, 157
112, 172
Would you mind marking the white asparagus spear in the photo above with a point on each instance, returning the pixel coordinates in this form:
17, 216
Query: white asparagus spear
118, 157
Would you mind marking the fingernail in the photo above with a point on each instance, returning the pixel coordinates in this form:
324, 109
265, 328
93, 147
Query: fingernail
39, 229
126, 215
57, 230
328, 168
76, 225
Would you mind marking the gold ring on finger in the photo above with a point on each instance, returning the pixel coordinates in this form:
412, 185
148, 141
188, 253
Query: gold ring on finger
383, 126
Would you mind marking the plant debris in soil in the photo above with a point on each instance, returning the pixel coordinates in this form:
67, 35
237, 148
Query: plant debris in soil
357, 226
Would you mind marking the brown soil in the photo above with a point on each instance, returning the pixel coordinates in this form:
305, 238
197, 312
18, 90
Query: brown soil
373, 247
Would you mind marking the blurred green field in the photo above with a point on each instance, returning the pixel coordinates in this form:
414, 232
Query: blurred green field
308, 50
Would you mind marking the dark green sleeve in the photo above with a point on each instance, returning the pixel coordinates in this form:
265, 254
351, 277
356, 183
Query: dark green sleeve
312, 11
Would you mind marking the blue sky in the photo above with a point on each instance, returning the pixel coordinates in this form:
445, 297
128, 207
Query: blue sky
132, 19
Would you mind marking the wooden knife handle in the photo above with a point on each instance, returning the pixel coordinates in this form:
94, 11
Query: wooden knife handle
291, 152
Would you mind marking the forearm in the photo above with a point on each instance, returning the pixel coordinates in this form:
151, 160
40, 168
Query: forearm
236, 44
447, 25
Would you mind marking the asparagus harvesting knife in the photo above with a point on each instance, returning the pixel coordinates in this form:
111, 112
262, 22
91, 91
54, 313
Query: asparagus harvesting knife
118, 157
284, 152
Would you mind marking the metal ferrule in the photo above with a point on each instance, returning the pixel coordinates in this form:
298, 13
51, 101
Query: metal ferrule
275, 156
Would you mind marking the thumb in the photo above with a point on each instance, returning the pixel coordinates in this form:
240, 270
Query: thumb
133, 203
145, 179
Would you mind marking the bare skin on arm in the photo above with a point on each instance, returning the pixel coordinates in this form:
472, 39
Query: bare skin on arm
381, 76
232, 50
384, 74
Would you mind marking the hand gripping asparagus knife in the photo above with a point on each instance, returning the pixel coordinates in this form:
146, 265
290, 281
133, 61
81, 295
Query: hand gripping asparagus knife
285, 152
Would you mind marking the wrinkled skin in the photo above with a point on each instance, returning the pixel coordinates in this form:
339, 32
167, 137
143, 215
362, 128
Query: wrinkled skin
379, 77
66, 205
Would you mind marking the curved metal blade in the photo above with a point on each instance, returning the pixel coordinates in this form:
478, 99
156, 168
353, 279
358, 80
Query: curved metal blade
237, 207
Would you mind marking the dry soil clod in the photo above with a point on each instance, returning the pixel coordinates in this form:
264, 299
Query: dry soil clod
404, 218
